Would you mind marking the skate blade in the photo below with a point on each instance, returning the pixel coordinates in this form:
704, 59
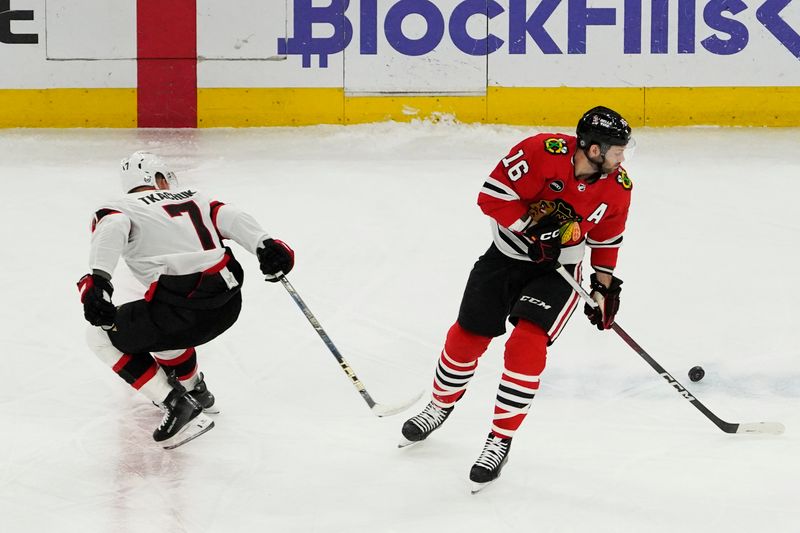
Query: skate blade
199, 425
405, 443
477, 487
213, 410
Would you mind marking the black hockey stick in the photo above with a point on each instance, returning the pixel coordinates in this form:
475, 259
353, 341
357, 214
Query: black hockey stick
376, 408
775, 428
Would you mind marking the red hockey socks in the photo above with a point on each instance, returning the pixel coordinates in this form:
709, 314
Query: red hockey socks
525, 359
457, 364
139, 370
182, 362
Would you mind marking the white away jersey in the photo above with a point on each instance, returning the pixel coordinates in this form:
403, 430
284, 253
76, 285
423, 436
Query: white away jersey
168, 232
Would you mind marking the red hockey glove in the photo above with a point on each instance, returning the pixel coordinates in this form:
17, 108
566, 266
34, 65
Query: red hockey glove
96, 294
275, 258
607, 299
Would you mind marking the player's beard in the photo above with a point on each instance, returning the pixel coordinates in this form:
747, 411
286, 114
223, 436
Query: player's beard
608, 168
602, 165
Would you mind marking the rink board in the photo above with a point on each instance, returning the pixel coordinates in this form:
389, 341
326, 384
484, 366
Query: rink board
77, 63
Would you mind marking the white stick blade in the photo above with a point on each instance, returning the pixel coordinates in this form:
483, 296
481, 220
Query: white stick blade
389, 410
772, 428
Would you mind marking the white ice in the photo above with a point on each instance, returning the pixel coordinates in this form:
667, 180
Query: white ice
386, 229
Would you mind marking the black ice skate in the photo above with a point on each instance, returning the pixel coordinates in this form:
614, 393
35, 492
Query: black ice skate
491, 461
203, 396
183, 420
417, 428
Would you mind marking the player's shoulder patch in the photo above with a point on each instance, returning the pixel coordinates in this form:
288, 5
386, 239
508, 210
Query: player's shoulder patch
556, 146
624, 180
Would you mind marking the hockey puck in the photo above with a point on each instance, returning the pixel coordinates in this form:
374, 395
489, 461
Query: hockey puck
696, 373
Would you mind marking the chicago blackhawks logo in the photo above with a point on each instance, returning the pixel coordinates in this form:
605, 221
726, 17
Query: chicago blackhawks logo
556, 146
624, 180
563, 213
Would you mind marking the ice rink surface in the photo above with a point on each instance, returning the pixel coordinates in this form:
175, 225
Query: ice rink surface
385, 226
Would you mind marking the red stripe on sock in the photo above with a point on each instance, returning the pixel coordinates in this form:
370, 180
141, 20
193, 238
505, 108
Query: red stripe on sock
178, 360
147, 376
521, 382
188, 375
167, 63
121, 363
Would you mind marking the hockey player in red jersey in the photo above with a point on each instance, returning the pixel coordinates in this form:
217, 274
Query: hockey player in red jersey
548, 199
171, 238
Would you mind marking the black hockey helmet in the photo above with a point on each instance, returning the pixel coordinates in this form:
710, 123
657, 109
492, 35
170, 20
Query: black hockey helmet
603, 126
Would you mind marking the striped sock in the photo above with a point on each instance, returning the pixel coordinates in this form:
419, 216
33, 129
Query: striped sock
183, 363
451, 380
457, 364
525, 359
514, 397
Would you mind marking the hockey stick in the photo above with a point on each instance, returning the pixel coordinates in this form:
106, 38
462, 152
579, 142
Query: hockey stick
775, 428
377, 408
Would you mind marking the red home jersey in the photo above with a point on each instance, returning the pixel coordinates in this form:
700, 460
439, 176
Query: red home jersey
542, 168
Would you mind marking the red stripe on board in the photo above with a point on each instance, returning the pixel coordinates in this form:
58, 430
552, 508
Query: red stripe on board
166, 34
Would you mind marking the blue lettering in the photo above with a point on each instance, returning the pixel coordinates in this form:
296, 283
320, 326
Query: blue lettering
581, 17
659, 27
686, 26
769, 15
305, 44
369, 27
458, 27
632, 27
727, 34
713, 15
519, 27
394, 27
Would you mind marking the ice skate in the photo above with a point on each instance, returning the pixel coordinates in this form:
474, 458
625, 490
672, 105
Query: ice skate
417, 428
489, 464
183, 420
203, 396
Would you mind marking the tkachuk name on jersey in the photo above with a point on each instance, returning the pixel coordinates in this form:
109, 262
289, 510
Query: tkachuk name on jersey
160, 196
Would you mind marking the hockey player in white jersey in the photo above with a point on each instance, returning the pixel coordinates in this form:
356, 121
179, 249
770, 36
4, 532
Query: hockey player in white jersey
171, 238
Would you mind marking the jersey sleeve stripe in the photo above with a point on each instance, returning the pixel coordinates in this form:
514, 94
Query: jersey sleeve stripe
494, 188
614, 242
214, 211
496, 194
512, 241
603, 269
100, 214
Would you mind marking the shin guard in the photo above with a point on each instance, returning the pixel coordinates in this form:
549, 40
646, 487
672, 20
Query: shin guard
183, 363
457, 364
139, 370
525, 359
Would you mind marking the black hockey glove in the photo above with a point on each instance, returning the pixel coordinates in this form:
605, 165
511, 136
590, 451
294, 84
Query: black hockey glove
607, 299
275, 258
546, 245
96, 294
